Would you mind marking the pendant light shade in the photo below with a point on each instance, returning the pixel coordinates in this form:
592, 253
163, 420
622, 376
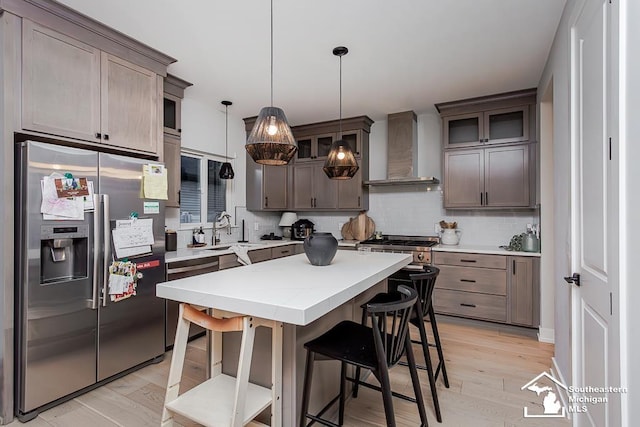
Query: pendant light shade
271, 141
226, 171
341, 163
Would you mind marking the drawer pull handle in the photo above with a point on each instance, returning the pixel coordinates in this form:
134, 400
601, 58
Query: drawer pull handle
468, 305
284, 252
468, 260
468, 280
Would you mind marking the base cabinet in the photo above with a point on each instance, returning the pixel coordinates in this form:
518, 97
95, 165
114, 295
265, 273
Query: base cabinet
231, 260
524, 279
497, 288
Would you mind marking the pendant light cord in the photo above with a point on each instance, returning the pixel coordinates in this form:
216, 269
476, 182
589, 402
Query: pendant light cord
271, 53
340, 113
226, 131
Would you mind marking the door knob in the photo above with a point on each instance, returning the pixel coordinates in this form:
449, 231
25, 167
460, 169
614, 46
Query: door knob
575, 278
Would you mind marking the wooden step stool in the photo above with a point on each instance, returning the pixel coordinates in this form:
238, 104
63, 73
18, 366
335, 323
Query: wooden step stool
223, 400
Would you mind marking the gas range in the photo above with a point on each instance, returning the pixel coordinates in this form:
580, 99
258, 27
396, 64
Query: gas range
419, 246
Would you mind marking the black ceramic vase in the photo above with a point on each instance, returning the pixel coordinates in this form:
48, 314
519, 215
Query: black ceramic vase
320, 248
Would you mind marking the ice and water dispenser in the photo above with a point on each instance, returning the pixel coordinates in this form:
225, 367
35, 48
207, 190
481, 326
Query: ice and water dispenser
64, 253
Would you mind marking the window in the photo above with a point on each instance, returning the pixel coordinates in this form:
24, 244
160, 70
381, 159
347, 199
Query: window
198, 205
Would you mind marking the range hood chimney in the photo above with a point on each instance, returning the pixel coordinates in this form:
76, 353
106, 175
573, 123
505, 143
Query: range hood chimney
402, 152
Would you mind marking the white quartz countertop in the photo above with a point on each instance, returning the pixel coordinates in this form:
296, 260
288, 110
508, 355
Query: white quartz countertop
184, 254
481, 249
288, 289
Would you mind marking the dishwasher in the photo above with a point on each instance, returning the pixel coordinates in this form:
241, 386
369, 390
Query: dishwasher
179, 270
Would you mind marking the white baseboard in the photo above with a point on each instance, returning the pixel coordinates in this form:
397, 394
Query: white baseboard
546, 335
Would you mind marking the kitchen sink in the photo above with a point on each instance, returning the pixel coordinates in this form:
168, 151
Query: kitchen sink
242, 245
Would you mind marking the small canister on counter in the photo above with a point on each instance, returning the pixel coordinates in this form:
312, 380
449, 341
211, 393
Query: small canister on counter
170, 240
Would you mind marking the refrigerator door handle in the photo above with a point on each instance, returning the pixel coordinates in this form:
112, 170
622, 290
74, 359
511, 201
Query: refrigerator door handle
107, 247
95, 295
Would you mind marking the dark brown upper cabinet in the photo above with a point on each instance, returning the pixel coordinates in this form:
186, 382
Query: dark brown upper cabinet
497, 119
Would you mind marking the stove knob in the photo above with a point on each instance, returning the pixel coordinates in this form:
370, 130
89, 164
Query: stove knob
421, 256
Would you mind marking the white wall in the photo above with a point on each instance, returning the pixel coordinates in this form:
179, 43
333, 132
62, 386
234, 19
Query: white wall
557, 68
545, 195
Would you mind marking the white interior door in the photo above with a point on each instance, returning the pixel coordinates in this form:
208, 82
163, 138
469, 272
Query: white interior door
595, 323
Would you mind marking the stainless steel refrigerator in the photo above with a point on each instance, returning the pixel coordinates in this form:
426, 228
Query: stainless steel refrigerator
69, 334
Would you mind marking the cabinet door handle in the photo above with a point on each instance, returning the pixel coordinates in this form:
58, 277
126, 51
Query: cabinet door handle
179, 130
481, 199
513, 265
468, 280
468, 305
358, 201
98, 135
468, 260
106, 137
486, 198
266, 201
178, 197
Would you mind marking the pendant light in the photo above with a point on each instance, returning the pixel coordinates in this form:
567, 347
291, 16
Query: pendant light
226, 171
271, 141
341, 162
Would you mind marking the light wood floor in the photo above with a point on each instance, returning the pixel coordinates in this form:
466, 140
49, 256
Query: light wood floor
487, 365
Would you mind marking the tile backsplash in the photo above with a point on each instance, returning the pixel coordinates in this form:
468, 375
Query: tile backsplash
406, 211
401, 210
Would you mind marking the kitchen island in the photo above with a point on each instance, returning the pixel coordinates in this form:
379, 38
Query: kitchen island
306, 299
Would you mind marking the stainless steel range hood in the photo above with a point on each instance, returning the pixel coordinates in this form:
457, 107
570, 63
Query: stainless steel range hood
402, 152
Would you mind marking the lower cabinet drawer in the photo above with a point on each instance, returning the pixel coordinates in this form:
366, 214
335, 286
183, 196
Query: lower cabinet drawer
464, 259
481, 280
469, 304
282, 251
257, 255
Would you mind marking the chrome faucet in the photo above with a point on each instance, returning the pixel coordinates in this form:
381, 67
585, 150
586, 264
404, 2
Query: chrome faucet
222, 222
214, 238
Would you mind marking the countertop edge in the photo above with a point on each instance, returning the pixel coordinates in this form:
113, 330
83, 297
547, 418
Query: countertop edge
185, 254
480, 249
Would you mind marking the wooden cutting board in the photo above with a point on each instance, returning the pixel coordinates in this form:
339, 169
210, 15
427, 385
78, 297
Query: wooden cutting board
360, 228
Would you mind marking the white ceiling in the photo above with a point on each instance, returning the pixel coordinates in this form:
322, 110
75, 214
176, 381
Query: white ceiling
403, 54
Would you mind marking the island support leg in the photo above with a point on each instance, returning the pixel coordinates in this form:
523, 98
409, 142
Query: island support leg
276, 373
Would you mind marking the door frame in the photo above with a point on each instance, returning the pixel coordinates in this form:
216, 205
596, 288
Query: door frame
616, 367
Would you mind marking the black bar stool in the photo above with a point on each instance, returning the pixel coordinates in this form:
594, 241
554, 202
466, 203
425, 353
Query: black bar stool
376, 348
423, 283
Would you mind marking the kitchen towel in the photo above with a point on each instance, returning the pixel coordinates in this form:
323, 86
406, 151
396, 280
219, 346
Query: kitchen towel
243, 256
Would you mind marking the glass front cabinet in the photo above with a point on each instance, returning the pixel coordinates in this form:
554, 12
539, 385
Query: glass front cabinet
505, 125
314, 147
